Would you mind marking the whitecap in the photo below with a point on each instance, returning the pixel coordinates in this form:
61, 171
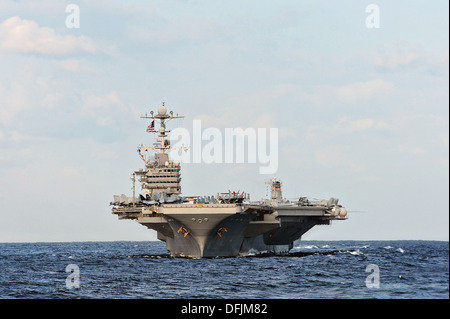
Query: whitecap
388, 247
355, 252
400, 250
251, 252
308, 247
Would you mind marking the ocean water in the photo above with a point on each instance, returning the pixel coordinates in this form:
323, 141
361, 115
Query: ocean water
313, 269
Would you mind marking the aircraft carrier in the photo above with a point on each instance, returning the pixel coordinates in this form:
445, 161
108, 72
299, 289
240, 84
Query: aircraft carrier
227, 224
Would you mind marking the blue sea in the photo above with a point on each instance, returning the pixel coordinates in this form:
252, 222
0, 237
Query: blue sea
313, 270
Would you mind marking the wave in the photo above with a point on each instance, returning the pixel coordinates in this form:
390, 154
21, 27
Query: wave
356, 252
401, 250
307, 247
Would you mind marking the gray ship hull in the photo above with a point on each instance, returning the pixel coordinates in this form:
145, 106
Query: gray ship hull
229, 230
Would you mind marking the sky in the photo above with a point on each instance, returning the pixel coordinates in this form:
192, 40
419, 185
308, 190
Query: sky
361, 110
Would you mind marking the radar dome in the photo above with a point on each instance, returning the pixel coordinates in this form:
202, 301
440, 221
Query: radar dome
162, 110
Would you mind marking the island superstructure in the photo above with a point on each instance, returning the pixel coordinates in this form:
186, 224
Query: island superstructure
223, 225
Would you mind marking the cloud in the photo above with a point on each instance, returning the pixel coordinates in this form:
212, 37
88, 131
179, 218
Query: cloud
338, 156
412, 150
317, 95
26, 36
343, 128
28, 86
72, 65
397, 59
106, 109
171, 32
351, 126
404, 56
246, 118
18, 137
13, 99
362, 90
162, 26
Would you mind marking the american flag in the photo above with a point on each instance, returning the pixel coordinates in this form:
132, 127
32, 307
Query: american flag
151, 127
